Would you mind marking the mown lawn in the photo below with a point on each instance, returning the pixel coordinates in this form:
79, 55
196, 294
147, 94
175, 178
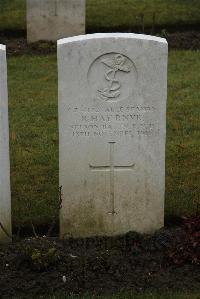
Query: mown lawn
12, 15
116, 15
34, 136
138, 14
183, 134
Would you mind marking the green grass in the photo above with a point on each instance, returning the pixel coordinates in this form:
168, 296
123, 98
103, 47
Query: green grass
183, 138
125, 14
129, 296
12, 15
34, 136
115, 14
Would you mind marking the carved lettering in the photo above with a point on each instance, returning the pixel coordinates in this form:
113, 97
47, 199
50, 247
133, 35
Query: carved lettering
114, 121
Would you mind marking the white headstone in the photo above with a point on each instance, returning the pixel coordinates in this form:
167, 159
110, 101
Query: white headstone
53, 19
5, 198
112, 125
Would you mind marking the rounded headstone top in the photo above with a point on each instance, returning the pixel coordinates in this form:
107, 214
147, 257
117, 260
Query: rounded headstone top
2, 47
111, 35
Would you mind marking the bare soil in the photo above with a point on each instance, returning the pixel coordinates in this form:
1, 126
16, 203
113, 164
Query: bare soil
189, 40
166, 261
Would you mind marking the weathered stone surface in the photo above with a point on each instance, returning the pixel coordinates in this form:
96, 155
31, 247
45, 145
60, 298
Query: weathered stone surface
53, 19
5, 198
112, 125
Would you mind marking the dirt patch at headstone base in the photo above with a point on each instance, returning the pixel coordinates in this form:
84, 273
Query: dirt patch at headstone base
189, 40
167, 261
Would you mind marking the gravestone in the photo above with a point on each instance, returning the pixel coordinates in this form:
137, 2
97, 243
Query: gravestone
112, 125
53, 19
5, 198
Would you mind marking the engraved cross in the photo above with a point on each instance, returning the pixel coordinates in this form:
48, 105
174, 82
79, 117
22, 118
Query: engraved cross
111, 169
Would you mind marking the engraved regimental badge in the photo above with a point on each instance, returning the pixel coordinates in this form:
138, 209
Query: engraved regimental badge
115, 76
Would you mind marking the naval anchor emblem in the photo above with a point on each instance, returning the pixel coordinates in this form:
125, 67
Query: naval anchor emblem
112, 77
117, 63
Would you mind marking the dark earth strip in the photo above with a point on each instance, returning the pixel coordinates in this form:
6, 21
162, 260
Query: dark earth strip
167, 261
189, 40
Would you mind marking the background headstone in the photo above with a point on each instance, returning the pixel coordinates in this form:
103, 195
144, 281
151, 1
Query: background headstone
112, 125
5, 197
53, 19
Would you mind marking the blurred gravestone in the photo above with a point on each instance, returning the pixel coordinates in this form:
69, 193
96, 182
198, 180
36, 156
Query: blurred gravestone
5, 198
112, 125
53, 19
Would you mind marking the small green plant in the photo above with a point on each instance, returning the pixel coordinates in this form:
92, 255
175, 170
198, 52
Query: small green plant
41, 258
164, 33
